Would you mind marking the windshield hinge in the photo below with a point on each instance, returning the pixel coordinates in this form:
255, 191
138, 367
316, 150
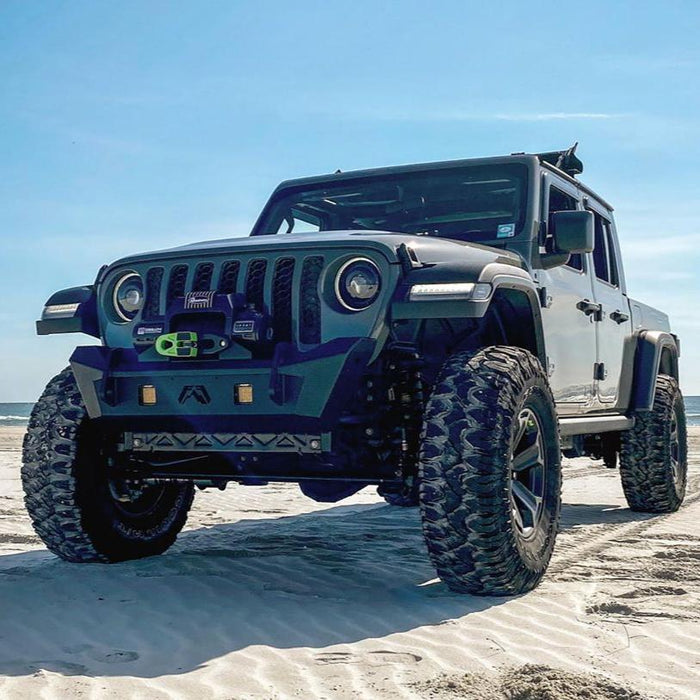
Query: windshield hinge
408, 258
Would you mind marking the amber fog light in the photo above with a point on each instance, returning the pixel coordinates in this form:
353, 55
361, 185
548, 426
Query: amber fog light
243, 393
148, 395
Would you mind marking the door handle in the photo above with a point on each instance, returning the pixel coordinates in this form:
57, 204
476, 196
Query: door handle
591, 308
619, 317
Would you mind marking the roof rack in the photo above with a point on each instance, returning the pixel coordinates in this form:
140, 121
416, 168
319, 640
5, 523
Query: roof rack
565, 161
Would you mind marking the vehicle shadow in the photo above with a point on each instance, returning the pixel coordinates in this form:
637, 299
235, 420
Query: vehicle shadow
575, 515
330, 577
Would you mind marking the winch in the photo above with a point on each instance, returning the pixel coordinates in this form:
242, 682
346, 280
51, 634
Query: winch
202, 324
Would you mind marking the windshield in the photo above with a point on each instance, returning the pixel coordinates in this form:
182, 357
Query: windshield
483, 203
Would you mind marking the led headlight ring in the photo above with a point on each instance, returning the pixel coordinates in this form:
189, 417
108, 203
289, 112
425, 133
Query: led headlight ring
357, 284
127, 296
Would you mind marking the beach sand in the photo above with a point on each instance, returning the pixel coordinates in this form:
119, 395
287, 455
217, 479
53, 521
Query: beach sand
269, 595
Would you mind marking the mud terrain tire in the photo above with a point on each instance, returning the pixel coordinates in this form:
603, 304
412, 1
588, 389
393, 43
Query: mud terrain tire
70, 500
654, 454
489, 423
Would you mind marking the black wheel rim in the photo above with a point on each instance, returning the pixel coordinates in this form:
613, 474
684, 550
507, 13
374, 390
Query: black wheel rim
527, 474
675, 452
674, 446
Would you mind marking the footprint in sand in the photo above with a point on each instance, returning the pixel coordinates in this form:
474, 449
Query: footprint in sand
679, 553
116, 657
22, 667
611, 608
104, 656
653, 591
371, 658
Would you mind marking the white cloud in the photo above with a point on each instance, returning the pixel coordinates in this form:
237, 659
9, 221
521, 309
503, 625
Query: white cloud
394, 113
553, 116
642, 65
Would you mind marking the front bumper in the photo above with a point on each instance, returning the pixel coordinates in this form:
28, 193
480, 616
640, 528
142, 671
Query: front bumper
295, 392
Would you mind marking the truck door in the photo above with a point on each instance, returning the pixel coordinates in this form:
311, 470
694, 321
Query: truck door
614, 324
570, 336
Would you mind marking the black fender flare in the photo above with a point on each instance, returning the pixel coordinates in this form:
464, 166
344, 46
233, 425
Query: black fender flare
83, 319
504, 284
504, 279
653, 348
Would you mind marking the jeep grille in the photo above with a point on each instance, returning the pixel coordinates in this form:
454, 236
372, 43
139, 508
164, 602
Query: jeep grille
282, 299
202, 277
228, 279
310, 329
277, 285
154, 279
255, 283
177, 282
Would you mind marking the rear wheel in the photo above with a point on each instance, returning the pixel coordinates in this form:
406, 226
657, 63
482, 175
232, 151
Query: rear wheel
490, 469
654, 454
77, 510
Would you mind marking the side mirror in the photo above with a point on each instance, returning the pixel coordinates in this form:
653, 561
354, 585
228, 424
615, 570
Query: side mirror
573, 231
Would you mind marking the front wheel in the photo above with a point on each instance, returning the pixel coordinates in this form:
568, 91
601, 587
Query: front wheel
490, 470
78, 511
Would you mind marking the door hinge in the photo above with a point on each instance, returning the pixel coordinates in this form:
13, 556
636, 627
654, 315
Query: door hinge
545, 299
599, 371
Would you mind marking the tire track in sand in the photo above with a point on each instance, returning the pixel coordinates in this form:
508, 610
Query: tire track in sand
588, 542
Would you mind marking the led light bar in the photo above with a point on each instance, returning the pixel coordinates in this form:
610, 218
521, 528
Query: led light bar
60, 311
450, 291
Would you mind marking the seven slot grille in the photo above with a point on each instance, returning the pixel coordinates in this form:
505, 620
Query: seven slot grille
268, 284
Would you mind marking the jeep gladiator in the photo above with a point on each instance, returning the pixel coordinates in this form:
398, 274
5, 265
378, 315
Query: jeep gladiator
443, 331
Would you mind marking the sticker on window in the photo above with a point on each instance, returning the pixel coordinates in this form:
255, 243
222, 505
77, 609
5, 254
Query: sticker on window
505, 231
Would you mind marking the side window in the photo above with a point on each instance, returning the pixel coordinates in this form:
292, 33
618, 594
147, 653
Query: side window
612, 258
604, 259
561, 201
575, 262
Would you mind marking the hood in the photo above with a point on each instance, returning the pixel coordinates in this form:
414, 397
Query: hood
428, 250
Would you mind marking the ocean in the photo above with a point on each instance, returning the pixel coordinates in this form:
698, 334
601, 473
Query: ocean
692, 410
18, 413
15, 413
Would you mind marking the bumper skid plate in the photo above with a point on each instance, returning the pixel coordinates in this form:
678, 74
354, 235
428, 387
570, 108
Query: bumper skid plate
227, 442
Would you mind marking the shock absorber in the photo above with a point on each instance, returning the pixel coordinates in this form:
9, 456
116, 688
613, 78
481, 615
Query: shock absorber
406, 399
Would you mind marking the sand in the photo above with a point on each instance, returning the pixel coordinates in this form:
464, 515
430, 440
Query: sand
270, 595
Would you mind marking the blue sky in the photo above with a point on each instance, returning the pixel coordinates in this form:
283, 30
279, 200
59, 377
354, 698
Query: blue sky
128, 126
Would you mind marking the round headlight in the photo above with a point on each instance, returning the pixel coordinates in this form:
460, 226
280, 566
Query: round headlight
357, 284
127, 296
